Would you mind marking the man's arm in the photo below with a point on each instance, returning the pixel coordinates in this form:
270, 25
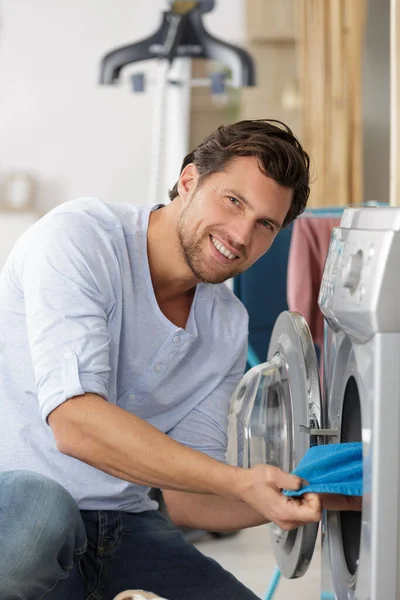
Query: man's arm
210, 512
115, 441
111, 439
214, 513
341, 502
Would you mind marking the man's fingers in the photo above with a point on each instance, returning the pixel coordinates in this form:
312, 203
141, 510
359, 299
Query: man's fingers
285, 481
263, 491
313, 501
308, 508
294, 512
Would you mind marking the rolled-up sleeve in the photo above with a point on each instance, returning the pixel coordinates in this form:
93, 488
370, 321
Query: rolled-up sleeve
66, 274
205, 427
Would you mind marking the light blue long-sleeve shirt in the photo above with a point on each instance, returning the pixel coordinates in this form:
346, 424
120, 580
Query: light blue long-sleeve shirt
78, 314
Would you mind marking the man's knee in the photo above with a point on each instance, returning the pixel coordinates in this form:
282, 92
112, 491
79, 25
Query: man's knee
29, 500
39, 523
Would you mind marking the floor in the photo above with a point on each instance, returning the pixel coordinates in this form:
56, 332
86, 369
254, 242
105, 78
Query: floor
248, 555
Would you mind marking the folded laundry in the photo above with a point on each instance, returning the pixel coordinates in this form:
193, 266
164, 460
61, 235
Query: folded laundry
331, 469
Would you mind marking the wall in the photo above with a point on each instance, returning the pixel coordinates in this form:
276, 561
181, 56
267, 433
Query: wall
271, 36
376, 101
76, 137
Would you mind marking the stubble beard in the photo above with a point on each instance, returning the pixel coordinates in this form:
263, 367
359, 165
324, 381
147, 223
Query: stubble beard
191, 251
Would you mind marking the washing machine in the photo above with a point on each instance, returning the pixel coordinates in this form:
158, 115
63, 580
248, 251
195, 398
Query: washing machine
280, 408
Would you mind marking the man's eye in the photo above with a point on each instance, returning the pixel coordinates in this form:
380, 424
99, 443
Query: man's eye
267, 224
234, 200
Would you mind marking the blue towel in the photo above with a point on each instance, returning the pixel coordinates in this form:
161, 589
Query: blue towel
331, 469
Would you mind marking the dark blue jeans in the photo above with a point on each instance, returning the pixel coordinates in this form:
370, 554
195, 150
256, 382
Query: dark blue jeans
51, 550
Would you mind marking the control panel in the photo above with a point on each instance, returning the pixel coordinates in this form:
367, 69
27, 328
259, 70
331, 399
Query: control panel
360, 288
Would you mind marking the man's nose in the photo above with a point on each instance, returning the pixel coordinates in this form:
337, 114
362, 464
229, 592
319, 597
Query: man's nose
241, 232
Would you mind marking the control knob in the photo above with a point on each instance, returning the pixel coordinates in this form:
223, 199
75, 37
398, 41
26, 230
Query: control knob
352, 271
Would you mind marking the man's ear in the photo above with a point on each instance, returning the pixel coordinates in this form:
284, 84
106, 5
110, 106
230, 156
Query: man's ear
187, 181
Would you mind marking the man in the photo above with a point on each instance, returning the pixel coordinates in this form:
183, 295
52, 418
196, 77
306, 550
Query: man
117, 363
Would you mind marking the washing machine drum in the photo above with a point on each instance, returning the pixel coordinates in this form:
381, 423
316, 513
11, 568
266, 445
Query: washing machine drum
273, 416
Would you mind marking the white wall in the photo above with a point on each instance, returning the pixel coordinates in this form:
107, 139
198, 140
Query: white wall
76, 137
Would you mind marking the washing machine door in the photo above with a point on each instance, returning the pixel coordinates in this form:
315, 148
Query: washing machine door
273, 413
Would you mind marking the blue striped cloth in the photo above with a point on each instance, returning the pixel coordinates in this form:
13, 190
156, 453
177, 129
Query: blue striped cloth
331, 469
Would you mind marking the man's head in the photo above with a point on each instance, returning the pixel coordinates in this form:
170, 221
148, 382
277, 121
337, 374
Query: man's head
238, 188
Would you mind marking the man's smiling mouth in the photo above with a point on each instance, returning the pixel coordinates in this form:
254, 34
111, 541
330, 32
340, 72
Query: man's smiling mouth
221, 248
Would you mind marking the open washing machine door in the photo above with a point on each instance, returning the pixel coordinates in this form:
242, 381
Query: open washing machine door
274, 414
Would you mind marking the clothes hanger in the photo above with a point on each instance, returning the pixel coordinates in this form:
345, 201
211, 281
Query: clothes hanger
182, 34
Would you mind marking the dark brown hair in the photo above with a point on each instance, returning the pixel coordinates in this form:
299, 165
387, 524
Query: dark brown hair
279, 154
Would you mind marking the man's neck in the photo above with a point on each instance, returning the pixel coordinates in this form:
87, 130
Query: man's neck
170, 275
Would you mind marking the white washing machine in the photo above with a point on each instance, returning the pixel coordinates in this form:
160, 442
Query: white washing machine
277, 411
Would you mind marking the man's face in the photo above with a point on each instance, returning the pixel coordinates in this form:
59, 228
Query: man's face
230, 220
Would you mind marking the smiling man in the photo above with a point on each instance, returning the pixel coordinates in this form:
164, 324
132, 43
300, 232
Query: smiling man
119, 353
240, 210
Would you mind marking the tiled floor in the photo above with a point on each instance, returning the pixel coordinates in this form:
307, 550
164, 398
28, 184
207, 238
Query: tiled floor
249, 557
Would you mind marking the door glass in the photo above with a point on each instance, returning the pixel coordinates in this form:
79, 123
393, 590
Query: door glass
270, 437
260, 408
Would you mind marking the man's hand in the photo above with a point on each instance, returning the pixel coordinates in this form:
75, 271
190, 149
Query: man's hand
261, 488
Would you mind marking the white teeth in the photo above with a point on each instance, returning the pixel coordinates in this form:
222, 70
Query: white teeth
222, 249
